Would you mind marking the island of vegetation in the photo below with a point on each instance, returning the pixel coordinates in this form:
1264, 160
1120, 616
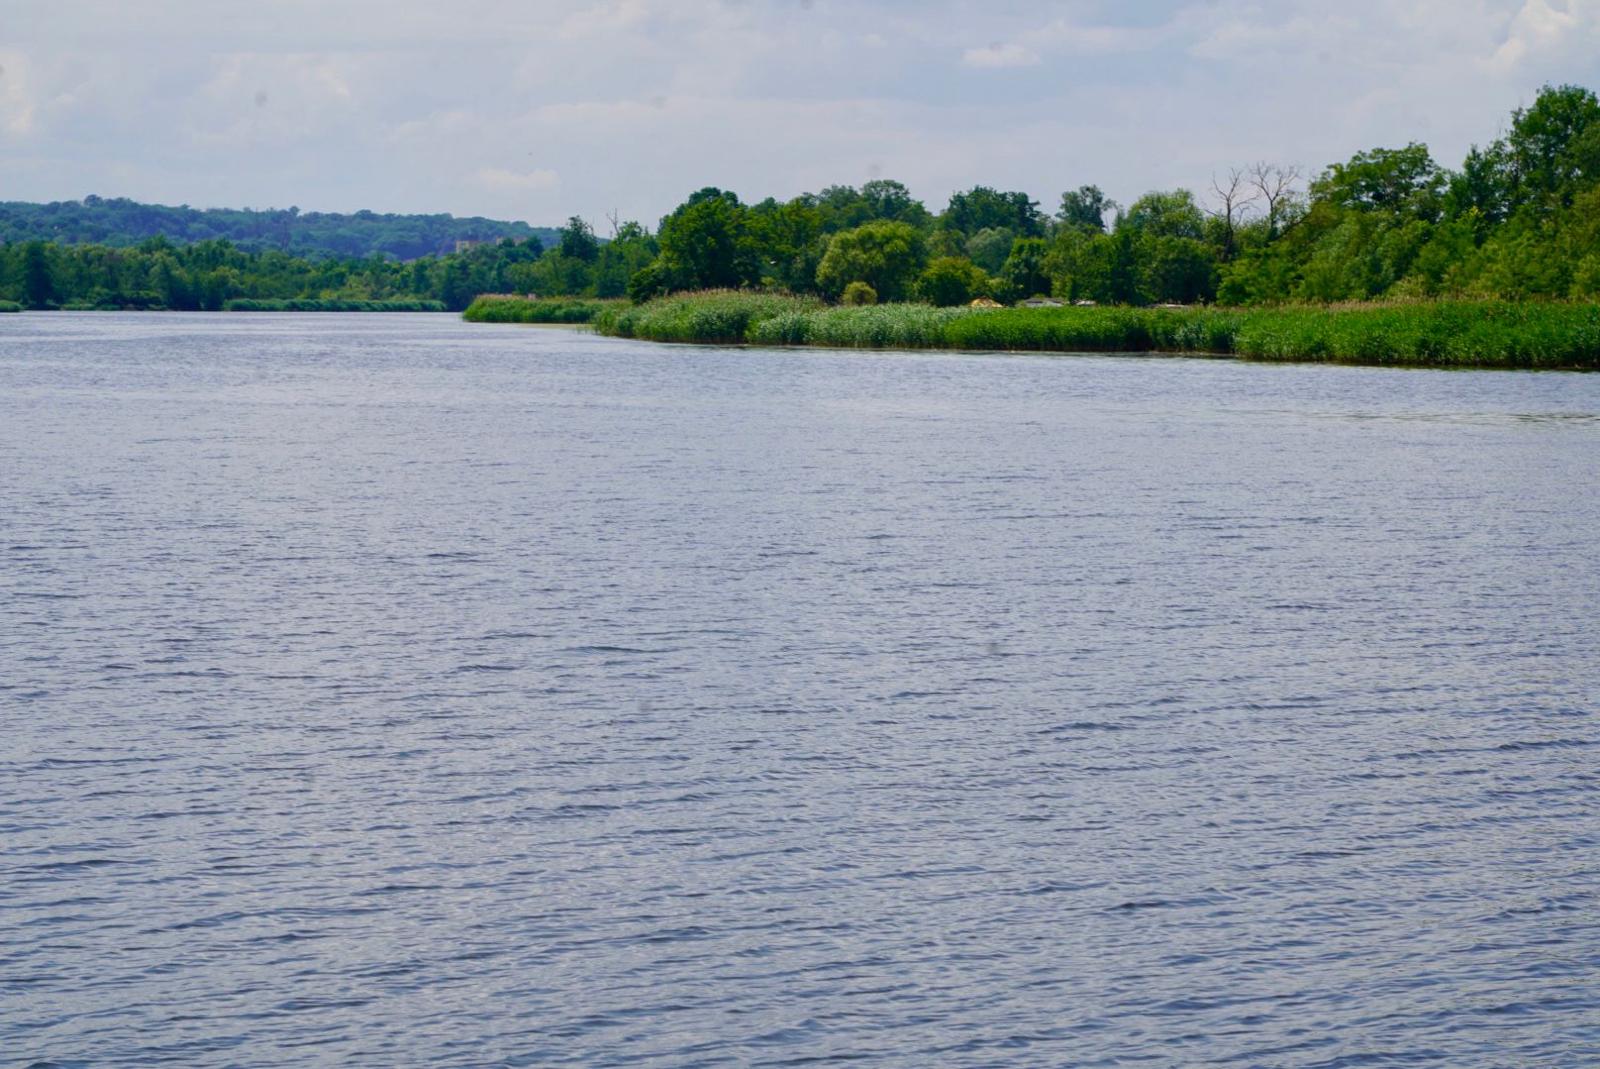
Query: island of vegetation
1387, 257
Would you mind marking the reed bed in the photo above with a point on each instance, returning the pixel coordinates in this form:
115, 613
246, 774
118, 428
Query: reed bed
711, 316
1492, 334
509, 308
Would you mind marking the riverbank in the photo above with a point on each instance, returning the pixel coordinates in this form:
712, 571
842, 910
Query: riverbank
1486, 334
509, 308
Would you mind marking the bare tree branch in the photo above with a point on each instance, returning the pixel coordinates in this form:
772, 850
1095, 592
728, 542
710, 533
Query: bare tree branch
1277, 186
1233, 197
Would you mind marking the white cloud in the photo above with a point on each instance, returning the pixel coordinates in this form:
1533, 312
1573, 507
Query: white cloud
999, 56
1069, 37
1539, 26
1248, 38
16, 102
605, 18
540, 109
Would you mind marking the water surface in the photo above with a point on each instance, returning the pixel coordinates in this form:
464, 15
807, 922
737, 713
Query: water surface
385, 690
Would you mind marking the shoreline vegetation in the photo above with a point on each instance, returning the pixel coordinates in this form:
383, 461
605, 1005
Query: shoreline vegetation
511, 308
1478, 334
1386, 258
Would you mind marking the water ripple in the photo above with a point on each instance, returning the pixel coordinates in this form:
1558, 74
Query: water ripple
387, 691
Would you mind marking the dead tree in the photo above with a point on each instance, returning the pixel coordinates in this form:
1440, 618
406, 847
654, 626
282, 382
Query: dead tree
1233, 197
1276, 186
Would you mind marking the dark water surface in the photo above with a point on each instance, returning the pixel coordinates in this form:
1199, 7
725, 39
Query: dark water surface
383, 691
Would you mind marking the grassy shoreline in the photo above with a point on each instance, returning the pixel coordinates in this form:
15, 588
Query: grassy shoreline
509, 308
1483, 334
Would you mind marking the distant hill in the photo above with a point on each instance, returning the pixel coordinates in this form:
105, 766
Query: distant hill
119, 221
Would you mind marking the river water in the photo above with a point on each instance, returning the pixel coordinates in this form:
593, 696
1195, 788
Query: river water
386, 690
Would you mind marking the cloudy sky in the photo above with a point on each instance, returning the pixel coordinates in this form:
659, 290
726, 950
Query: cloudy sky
535, 110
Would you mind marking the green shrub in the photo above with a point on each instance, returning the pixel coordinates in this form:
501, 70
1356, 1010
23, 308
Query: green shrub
953, 280
859, 293
713, 316
10, 306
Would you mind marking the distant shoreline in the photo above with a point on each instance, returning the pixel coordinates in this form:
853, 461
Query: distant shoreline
252, 305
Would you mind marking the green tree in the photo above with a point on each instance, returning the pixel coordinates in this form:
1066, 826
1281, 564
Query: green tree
38, 276
1100, 267
456, 288
953, 280
1436, 268
886, 256
1264, 275
989, 247
887, 199
1171, 214
578, 241
790, 242
983, 208
1385, 180
624, 256
1480, 192
648, 282
1539, 151
1176, 270
1024, 275
1521, 263
1085, 208
557, 275
705, 243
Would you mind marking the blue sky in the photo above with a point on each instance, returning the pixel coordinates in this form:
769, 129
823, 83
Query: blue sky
537, 111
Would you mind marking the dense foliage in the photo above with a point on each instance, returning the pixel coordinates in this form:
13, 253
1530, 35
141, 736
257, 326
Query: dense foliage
1432, 333
216, 275
1520, 219
119, 222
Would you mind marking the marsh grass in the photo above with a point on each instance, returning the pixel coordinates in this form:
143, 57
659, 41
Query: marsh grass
710, 316
509, 308
1439, 334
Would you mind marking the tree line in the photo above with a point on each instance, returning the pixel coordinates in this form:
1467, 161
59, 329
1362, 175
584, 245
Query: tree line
205, 276
1519, 219
118, 221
